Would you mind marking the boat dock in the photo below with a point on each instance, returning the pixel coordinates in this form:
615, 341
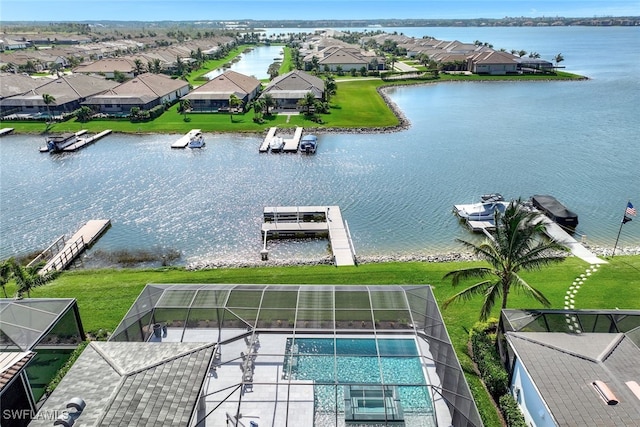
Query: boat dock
81, 240
83, 142
264, 147
5, 131
183, 141
310, 221
557, 233
45, 149
290, 144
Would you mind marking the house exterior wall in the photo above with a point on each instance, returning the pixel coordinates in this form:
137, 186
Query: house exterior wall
531, 404
496, 69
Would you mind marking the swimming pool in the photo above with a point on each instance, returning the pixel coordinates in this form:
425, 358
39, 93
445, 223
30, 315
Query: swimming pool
334, 364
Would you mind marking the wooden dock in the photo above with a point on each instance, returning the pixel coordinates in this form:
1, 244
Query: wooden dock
264, 147
83, 142
45, 149
5, 131
81, 240
310, 221
291, 144
183, 141
556, 233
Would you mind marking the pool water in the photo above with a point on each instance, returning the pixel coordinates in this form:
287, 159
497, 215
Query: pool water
333, 363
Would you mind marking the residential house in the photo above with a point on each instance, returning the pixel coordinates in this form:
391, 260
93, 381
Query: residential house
214, 95
108, 67
134, 384
12, 84
573, 368
334, 58
290, 88
37, 337
69, 91
15, 393
144, 91
12, 44
493, 62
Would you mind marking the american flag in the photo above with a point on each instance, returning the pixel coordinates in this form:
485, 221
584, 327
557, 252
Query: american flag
630, 210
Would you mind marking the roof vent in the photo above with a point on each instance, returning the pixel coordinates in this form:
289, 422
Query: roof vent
605, 393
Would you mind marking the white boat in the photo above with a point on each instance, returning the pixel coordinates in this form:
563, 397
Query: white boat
483, 211
57, 143
276, 144
196, 140
309, 144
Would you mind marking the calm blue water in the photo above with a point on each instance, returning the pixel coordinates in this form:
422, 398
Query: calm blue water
254, 63
574, 140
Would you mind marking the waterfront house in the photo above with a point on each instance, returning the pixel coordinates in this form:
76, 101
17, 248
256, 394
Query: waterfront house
214, 95
573, 367
493, 62
37, 337
144, 91
15, 84
290, 88
68, 91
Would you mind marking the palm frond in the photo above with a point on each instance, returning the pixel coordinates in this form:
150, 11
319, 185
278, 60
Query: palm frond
525, 288
467, 273
492, 295
468, 293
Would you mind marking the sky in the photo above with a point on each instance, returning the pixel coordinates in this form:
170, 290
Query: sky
222, 10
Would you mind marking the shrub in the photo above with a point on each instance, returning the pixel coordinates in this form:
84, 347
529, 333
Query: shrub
511, 412
485, 355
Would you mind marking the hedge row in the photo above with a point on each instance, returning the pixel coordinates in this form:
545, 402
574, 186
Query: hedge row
482, 337
511, 412
495, 377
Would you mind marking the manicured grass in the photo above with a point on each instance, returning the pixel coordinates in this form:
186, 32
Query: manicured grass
104, 296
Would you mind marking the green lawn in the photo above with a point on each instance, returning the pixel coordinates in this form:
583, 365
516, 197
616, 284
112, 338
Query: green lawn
104, 296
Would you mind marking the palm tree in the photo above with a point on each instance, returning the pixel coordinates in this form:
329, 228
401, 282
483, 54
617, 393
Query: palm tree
558, 59
28, 278
185, 104
139, 66
48, 100
307, 102
5, 275
269, 102
330, 87
234, 102
516, 246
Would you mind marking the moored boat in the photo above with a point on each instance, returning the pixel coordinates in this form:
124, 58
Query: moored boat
309, 144
555, 210
196, 140
57, 143
277, 144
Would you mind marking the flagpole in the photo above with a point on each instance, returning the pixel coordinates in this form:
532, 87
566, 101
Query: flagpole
620, 230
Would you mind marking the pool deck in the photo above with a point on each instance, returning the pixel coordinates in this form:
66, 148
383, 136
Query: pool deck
270, 400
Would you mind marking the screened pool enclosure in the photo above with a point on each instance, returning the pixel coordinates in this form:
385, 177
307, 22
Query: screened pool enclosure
305, 355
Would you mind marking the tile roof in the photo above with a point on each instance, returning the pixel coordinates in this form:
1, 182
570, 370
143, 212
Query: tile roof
11, 363
134, 384
221, 87
563, 366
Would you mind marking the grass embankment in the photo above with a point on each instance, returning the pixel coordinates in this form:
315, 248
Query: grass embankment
104, 296
356, 104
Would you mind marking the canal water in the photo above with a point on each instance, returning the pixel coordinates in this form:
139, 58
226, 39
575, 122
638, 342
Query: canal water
574, 140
